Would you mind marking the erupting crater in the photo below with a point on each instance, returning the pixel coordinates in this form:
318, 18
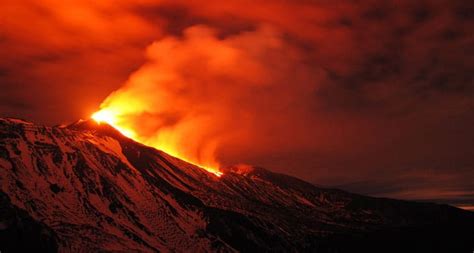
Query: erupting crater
113, 119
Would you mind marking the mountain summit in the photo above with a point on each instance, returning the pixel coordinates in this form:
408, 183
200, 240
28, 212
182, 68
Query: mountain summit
86, 188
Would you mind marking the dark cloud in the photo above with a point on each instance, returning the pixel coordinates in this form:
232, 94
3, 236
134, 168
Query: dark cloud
355, 91
434, 185
176, 18
14, 105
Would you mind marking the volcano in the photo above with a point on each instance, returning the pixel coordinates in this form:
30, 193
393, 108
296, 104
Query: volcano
85, 187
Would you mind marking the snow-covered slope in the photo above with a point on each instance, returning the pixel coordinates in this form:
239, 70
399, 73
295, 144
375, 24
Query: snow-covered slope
86, 188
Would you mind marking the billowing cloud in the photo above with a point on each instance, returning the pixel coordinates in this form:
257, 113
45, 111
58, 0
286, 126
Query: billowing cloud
199, 92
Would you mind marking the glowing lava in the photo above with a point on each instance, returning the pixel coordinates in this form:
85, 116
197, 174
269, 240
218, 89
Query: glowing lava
115, 119
111, 118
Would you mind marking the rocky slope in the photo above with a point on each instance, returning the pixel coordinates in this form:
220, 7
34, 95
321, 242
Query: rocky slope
86, 188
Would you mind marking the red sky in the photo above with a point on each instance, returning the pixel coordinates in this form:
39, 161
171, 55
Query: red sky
372, 96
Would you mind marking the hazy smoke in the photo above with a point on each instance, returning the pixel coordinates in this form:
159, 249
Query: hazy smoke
198, 92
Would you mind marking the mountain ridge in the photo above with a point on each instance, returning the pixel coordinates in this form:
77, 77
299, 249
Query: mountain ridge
93, 189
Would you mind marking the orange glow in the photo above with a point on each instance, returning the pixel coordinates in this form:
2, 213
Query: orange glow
116, 120
111, 118
186, 99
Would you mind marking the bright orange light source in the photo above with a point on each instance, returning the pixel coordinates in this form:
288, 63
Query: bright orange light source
114, 119
104, 116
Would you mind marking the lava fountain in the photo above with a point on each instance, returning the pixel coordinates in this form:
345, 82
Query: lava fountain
114, 118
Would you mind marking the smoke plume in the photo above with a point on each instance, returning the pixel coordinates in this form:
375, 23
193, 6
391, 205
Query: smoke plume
198, 92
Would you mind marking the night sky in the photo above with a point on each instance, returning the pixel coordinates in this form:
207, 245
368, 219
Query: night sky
375, 97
